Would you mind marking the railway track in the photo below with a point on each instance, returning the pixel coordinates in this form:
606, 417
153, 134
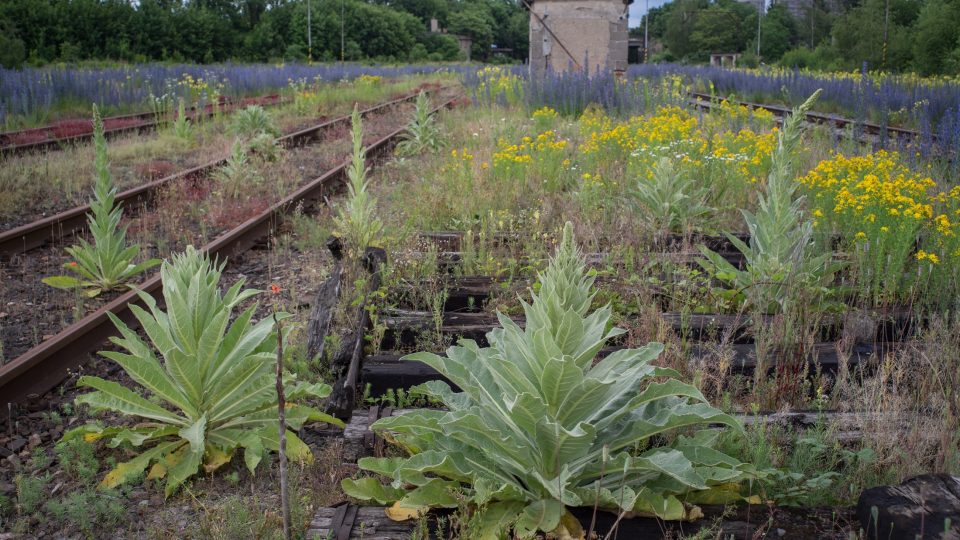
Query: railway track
846, 426
46, 365
706, 101
38, 233
47, 137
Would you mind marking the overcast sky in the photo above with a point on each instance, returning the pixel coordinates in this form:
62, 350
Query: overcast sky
639, 7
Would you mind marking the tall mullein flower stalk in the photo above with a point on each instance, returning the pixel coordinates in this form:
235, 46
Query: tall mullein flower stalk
778, 261
108, 262
357, 222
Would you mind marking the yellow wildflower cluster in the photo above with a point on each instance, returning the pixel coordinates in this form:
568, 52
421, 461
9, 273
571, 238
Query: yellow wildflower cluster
201, 90
731, 158
607, 142
729, 114
545, 145
496, 81
305, 95
868, 188
542, 159
885, 210
746, 153
874, 78
923, 255
195, 85
463, 154
944, 231
369, 79
544, 113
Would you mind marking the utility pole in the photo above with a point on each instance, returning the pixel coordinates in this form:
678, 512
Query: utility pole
646, 33
341, 32
309, 36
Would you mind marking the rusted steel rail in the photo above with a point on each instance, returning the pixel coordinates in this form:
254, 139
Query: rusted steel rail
132, 123
706, 101
38, 233
46, 365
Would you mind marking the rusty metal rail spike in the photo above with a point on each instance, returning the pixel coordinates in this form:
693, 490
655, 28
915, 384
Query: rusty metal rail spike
35, 234
46, 365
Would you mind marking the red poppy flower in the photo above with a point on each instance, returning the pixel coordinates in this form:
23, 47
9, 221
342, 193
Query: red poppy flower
275, 289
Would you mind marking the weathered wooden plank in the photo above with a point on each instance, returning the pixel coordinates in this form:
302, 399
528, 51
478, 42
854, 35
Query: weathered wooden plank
324, 306
453, 240
346, 363
386, 370
741, 523
370, 523
403, 326
920, 507
448, 260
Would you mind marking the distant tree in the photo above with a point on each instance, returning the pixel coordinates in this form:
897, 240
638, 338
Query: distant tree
676, 32
858, 35
814, 24
720, 28
423, 9
474, 19
13, 53
658, 19
778, 33
441, 47
936, 36
512, 26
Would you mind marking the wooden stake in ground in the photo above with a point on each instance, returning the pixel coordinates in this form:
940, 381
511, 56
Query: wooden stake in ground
284, 500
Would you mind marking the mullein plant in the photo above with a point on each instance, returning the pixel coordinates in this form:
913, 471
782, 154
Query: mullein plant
356, 221
108, 262
182, 128
422, 134
203, 382
237, 173
780, 266
253, 121
672, 202
541, 425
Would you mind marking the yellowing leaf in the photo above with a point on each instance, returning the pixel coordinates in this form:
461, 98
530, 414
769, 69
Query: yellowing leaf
693, 513
719, 494
173, 458
63, 282
215, 458
116, 477
129, 469
569, 528
403, 513
159, 470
